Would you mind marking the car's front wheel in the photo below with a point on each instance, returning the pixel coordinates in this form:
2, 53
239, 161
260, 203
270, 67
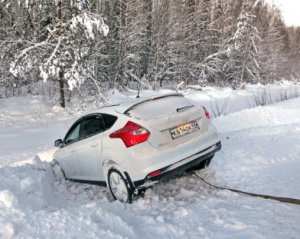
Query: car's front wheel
57, 171
119, 187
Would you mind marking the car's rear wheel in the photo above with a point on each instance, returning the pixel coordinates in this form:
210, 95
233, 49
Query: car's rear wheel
119, 187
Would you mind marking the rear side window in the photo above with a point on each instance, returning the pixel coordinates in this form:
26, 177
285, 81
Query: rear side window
159, 108
108, 121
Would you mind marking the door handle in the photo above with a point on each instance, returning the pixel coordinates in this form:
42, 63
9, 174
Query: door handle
94, 145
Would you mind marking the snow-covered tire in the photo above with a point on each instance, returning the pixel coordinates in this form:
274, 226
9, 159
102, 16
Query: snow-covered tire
58, 172
119, 187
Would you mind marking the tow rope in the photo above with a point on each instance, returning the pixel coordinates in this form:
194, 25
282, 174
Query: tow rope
280, 199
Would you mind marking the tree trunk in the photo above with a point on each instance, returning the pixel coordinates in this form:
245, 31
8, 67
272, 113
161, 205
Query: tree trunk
147, 48
61, 90
61, 73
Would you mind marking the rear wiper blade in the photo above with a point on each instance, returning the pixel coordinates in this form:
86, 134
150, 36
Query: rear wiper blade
184, 108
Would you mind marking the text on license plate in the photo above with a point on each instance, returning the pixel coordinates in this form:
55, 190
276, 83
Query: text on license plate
184, 129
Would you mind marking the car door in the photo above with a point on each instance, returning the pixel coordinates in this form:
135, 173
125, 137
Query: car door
67, 155
89, 148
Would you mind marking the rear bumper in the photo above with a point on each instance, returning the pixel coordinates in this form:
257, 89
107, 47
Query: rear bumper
178, 167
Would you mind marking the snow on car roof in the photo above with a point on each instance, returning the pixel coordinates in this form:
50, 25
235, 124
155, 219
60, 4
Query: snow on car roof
127, 106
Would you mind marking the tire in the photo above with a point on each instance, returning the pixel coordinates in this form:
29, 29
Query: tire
58, 172
119, 187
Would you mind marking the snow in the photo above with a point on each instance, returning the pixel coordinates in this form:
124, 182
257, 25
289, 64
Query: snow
43, 74
7, 231
273, 132
159, 108
91, 25
7, 198
260, 154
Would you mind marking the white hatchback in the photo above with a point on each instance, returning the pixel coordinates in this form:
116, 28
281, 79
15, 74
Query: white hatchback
131, 146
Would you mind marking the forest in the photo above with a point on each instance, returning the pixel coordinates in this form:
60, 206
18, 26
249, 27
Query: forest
65, 48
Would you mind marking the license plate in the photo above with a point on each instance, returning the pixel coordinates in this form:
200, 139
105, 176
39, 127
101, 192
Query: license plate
184, 130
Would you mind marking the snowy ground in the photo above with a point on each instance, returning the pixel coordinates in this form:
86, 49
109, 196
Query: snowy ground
261, 153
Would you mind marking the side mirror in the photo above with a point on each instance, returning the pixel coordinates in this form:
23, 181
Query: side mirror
58, 143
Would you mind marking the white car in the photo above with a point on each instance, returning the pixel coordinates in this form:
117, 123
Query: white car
131, 146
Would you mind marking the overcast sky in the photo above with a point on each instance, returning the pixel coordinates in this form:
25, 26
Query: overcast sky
290, 10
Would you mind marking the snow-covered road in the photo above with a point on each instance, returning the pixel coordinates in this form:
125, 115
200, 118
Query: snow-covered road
261, 153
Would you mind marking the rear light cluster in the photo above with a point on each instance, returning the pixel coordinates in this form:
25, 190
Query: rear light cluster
131, 134
153, 174
207, 115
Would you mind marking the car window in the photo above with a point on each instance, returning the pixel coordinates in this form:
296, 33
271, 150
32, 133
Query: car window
91, 126
108, 120
73, 135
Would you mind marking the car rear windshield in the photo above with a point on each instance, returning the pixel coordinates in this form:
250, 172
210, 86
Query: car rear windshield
159, 108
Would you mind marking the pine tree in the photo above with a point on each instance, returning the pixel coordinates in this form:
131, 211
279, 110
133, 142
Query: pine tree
242, 65
294, 51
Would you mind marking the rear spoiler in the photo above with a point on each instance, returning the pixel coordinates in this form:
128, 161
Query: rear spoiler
126, 107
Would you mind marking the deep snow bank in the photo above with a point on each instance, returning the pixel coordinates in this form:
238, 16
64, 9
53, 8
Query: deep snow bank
261, 150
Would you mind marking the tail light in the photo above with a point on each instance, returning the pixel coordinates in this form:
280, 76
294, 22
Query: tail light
206, 113
131, 134
153, 174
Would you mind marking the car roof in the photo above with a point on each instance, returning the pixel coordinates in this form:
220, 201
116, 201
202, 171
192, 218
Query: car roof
128, 105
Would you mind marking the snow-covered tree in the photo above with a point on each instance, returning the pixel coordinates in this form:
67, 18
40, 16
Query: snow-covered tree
294, 53
242, 65
65, 54
273, 44
195, 41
